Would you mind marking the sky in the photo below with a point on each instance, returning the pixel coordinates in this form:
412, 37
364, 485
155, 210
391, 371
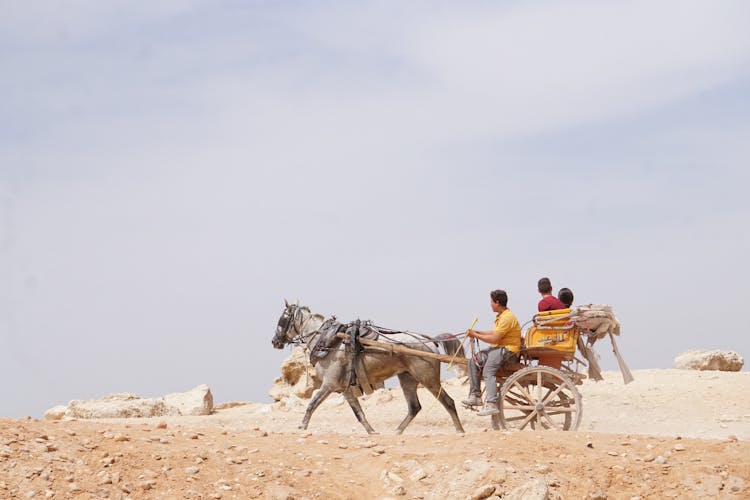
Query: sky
171, 171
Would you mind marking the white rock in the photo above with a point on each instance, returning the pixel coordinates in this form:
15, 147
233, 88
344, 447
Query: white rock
383, 396
483, 492
198, 401
55, 413
533, 490
123, 405
418, 474
698, 359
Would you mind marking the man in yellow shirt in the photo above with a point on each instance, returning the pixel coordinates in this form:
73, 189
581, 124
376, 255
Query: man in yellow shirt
505, 344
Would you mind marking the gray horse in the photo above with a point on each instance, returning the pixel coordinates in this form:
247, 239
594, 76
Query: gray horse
299, 325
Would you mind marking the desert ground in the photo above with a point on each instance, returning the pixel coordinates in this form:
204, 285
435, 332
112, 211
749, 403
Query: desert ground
669, 434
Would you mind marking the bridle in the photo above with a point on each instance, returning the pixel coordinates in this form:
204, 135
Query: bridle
297, 322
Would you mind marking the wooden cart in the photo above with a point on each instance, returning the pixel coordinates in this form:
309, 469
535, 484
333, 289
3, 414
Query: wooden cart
539, 392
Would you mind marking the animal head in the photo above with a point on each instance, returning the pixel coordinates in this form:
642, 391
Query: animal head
288, 325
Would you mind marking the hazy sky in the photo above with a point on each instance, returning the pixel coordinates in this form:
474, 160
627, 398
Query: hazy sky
171, 171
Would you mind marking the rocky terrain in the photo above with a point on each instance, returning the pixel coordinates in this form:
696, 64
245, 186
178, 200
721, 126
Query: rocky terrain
669, 434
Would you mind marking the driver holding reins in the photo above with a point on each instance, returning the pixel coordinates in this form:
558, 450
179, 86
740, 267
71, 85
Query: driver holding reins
505, 344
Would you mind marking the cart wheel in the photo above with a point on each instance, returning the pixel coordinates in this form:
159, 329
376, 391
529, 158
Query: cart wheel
540, 397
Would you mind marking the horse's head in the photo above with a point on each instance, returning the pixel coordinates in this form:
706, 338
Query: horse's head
288, 326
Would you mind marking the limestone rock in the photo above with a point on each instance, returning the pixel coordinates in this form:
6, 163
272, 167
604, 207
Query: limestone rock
483, 492
533, 490
55, 413
698, 359
121, 405
298, 377
198, 401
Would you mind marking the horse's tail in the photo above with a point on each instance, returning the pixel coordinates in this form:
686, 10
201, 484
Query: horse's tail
451, 344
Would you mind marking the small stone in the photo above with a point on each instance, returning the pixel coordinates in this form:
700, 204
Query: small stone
589, 445
660, 460
161, 425
379, 450
147, 484
399, 491
599, 495
418, 475
679, 447
303, 473
483, 492
192, 470
393, 477
121, 438
543, 468
613, 453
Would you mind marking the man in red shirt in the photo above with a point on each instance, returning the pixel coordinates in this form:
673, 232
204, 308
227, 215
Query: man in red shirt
549, 302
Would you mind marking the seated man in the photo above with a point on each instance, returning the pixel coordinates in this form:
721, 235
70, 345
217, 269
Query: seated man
566, 297
505, 343
549, 302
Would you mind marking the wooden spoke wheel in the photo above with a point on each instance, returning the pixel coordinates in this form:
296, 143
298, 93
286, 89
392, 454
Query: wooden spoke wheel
539, 397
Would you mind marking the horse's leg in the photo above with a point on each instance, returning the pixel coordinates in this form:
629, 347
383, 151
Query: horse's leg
319, 397
357, 409
409, 387
437, 390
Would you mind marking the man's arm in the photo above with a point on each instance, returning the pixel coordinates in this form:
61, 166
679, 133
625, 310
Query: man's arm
491, 336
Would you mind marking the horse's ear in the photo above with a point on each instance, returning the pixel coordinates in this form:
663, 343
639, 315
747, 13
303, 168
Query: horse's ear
286, 303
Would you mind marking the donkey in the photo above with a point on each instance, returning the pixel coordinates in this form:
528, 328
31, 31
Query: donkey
298, 324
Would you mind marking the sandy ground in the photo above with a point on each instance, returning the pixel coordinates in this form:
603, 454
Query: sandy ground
669, 434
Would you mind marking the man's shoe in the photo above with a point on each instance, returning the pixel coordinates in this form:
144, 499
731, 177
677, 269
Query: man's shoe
472, 401
489, 409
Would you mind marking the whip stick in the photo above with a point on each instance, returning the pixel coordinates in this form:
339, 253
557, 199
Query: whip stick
473, 324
